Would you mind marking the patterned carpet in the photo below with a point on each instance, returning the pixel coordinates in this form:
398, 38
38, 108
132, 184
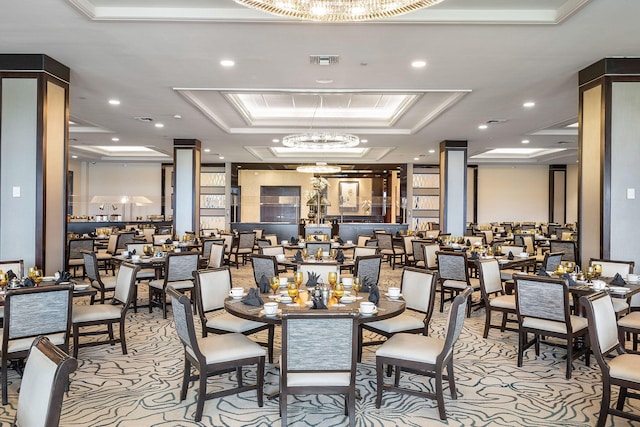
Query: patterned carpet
142, 388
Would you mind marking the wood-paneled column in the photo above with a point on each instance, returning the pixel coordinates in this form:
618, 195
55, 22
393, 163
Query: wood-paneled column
453, 187
186, 186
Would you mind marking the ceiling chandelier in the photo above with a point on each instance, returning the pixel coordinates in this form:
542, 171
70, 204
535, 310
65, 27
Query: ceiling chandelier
338, 10
320, 140
319, 168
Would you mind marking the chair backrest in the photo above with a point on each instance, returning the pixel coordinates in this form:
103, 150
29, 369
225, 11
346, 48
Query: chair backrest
29, 312
258, 233
514, 249
246, 240
212, 288
431, 234
418, 290
216, 256
123, 239
455, 322
418, 252
490, 280
272, 250
16, 266
183, 320
430, 258
228, 242
364, 250
91, 268
525, 240
313, 247
551, 260
362, 240
138, 247
603, 326
76, 246
125, 283
315, 342
611, 267
180, 266
272, 238
408, 246
475, 239
385, 240
112, 244
264, 265
368, 269
488, 236
543, 298
148, 234
46, 375
568, 247
159, 239
452, 266
207, 243
321, 269
263, 242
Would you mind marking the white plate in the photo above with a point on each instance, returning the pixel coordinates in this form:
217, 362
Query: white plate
618, 289
348, 300
284, 300
279, 312
390, 297
308, 303
49, 279
368, 314
80, 287
240, 297
338, 305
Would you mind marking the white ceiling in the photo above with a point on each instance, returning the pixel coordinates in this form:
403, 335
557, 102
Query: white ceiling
161, 58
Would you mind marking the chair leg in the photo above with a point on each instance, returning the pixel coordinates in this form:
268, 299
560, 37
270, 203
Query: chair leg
452, 381
396, 379
260, 382
270, 339
239, 376
202, 394
185, 379
604, 405
440, 395
283, 408
522, 337
112, 339
76, 339
123, 341
569, 357
622, 396
379, 381
4, 381
352, 408
487, 322
163, 295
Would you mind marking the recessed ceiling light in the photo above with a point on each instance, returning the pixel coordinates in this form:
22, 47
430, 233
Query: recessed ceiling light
221, 157
529, 104
177, 116
416, 158
207, 150
364, 141
572, 125
525, 141
324, 81
159, 125
483, 127
114, 102
74, 157
432, 151
72, 123
227, 63
275, 140
419, 64
115, 139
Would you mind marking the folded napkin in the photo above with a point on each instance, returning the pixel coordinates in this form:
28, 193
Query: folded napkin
340, 257
420, 235
543, 272
63, 276
11, 275
510, 256
133, 252
569, 280
317, 239
340, 241
474, 256
374, 294
168, 241
464, 249
366, 285
313, 279
293, 241
253, 298
318, 303
398, 234
28, 283
468, 242
264, 284
298, 256
618, 280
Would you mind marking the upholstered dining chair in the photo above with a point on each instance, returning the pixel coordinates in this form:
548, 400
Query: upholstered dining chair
321, 269
274, 251
609, 269
367, 267
493, 295
106, 314
30, 312
216, 256
207, 243
160, 239
318, 357
312, 247
418, 289
213, 355
212, 288
568, 247
418, 253
244, 247
178, 271
542, 306
17, 266
620, 370
103, 285
74, 258
104, 257
453, 275
408, 249
264, 265
362, 240
423, 354
46, 375
430, 258
389, 250
364, 250
228, 245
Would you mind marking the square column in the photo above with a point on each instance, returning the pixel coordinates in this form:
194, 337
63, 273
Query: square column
453, 187
186, 186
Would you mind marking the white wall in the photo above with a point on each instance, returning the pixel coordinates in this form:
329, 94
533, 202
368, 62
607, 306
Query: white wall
572, 193
513, 193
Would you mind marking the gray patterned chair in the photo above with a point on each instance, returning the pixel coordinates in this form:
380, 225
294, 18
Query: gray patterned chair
493, 295
124, 238
274, 251
207, 243
609, 269
321, 269
74, 256
178, 272
368, 269
418, 289
264, 265
389, 250
213, 355
212, 288
244, 247
418, 253
30, 312
106, 314
101, 284
312, 247
318, 357
568, 247
620, 370
454, 277
542, 305
46, 375
104, 258
424, 354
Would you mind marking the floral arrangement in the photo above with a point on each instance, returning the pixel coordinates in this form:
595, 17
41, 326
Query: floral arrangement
319, 184
366, 205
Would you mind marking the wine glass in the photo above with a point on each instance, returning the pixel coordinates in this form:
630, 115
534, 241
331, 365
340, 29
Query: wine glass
597, 269
31, 272
298, 277
338, 291
333, 253
292, 290
333, 278
274, 283
357, 285
37, 276
305, 253
4, 279
319, 254
570, 267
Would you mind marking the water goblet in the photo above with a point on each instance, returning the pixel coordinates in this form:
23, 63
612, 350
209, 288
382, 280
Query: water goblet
292, 290
305, 253
31, 272
319, 254
298, 277
274, 283
333, 253
338, 291
333, 278
597, 269
357, 285
37, 276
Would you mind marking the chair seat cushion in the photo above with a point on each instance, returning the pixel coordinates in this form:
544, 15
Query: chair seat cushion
228, 322
404, 322
459, 284
311, 379
181, 284
412, 347
108, 281
619, 305
23, 344
419, 263
90, 313
625, 367
101, 256
507, 273
577, 324
630, 321
227, 347
76, 262
148, 273
504, 301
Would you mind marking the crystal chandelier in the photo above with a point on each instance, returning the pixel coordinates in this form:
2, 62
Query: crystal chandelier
319, 168
320, 140
338, 10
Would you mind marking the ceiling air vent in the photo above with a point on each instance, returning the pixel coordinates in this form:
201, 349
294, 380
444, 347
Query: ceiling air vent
496, 121
144, 119
324, 59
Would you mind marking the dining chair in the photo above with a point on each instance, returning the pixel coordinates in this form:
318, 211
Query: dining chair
207, 242
147, 233
362, 240
104, 257
424, 355
453, 276
42, 389
418, 253
17, 266
507, 273
124, 238
430, 258
244, 247
213, 355
178, 271
408, 249
431, 234
389, 250
488, 236
367, 267
542, 306
264, 268
272, 250
474, 240
312, 247
272, 238
228, 245
106, 314
609, 269
527, 241
418, 288
494, 296
101, 284
74, 258
320, 269
364, 250
30, 312
568, 247
318, 357
160, 239
618, 368
216, 256
212, 288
